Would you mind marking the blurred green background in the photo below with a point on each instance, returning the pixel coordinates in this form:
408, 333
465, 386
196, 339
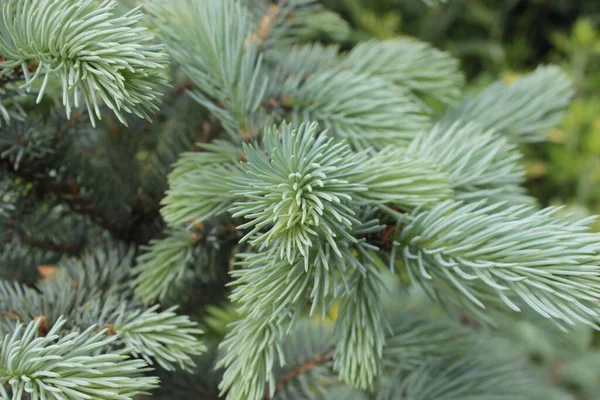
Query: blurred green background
501, 39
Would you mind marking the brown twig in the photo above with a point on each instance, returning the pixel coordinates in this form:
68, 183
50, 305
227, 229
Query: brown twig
555, 372
9, 314
210, 129
48, 244
306, 366
42, 328
265, 25
182, 87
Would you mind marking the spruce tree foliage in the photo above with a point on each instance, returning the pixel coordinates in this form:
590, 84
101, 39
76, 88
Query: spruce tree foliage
339, 201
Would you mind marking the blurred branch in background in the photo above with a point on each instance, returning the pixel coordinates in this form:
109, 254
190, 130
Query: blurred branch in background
505, 39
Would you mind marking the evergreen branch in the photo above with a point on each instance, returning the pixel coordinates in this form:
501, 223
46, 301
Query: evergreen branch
538, 337
367, 111
19, 303
78, 285
523, 110
279, 25
480, 164
412, 64
343, 392
316, 217
103, 267
223, 65
51, 228
251, 350
164, 337
272, 290
427, 355
45, 227
271, 293
51, 299
167, 262
303, 60
268, 290
416, 335
299, 188
395, 176
269, 287
163, 265
21, 263
176, 136
201, 384
69, 367
481, 372
361, 324
200, 184
92, 53
26, 142
474, 254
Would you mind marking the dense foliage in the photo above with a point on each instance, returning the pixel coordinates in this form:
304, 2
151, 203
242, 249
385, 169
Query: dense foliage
503, 40
254, 199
